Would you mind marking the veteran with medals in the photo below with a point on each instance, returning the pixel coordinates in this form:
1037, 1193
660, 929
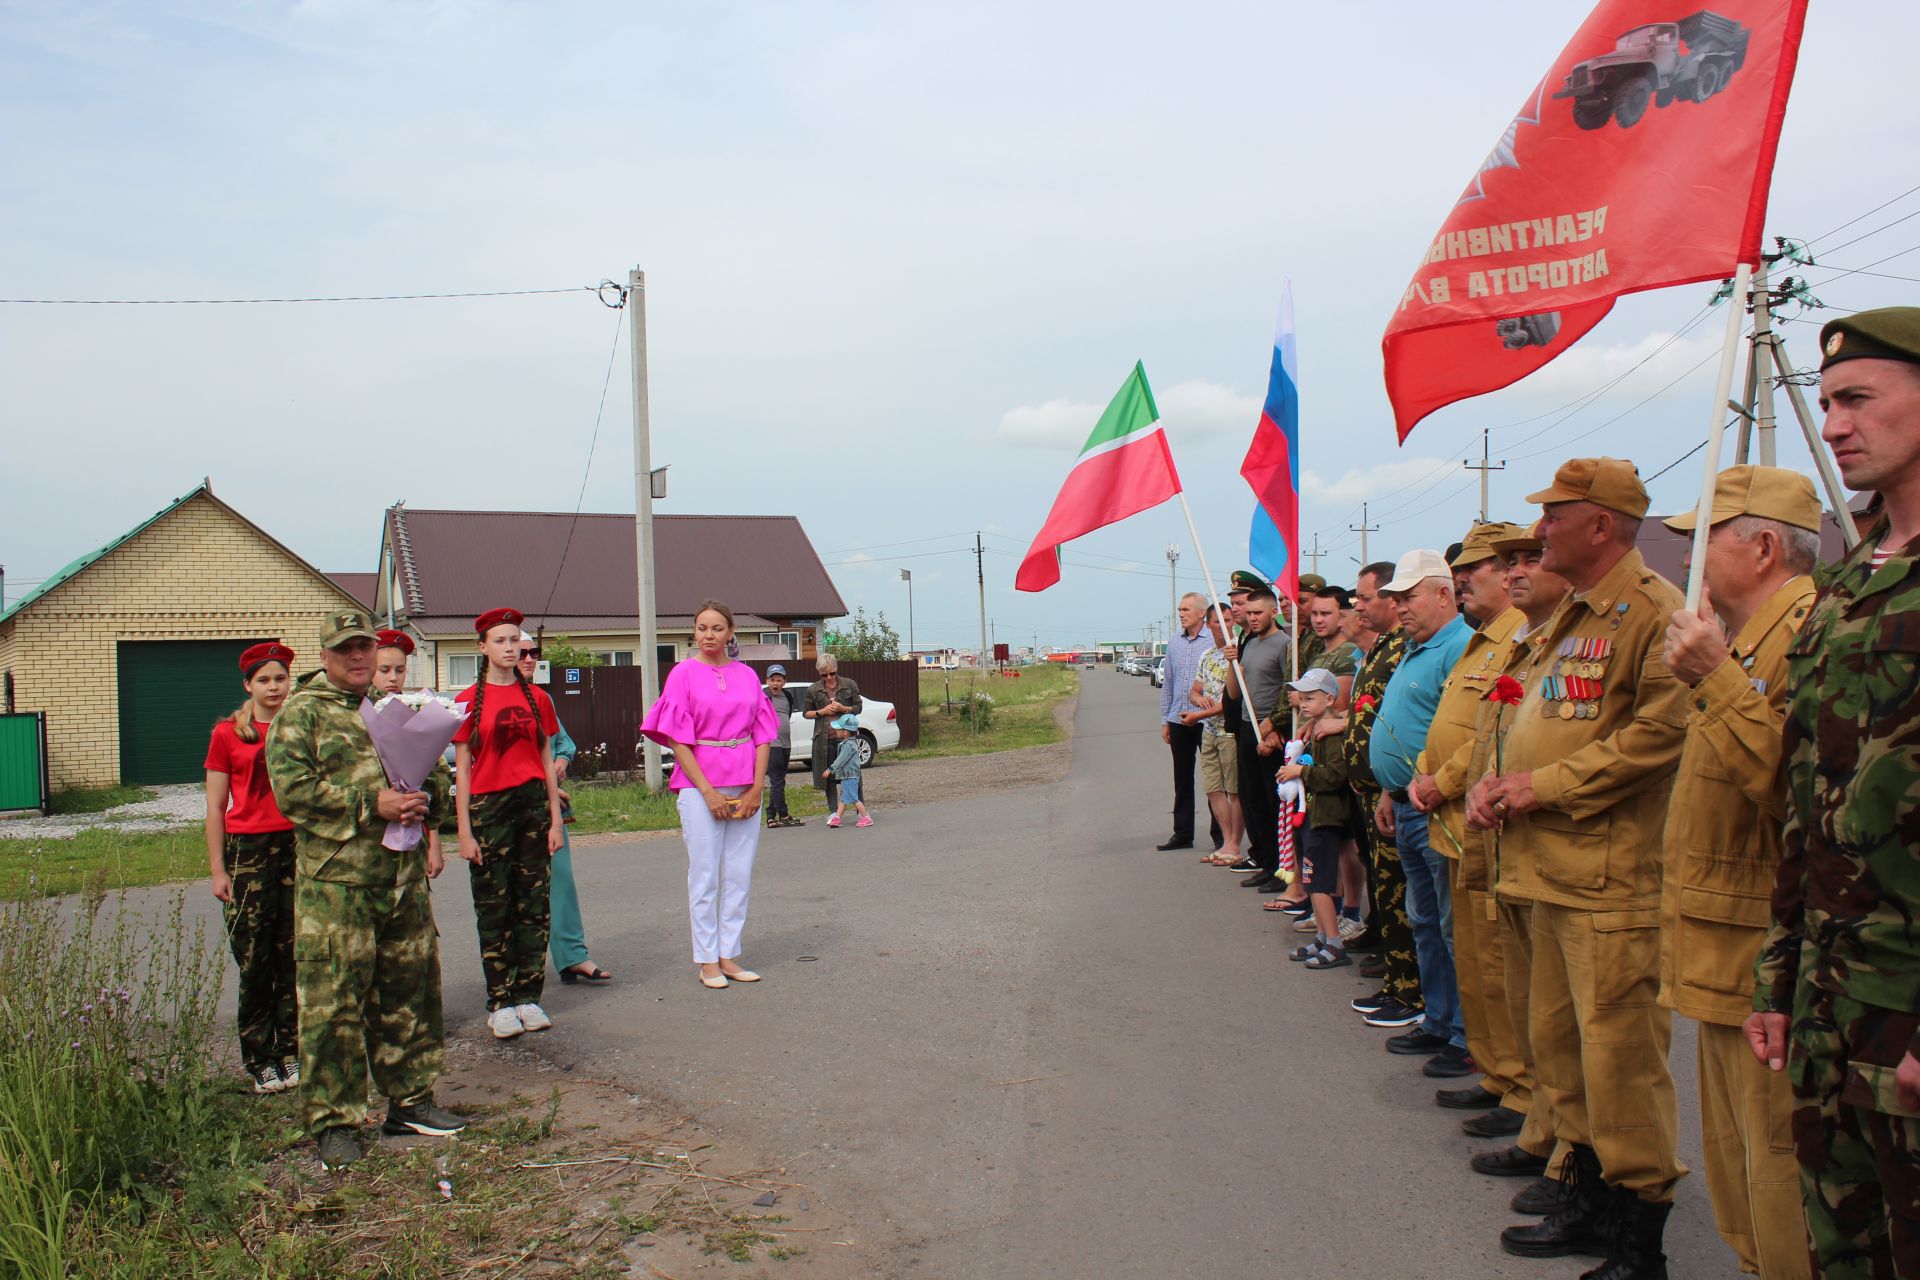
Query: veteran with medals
1581, 804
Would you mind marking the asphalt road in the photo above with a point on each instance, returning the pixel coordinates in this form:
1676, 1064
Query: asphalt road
1007, 1038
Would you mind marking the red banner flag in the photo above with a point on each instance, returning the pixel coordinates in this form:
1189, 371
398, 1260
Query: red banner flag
1642, 160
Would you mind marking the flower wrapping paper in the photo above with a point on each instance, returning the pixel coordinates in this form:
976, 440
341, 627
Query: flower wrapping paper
411, 732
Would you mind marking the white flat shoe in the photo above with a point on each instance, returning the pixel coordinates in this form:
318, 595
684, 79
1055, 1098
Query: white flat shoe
742, 975
717, 981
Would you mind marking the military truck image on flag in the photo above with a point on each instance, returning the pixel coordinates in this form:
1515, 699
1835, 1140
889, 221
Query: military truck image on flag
1656, 63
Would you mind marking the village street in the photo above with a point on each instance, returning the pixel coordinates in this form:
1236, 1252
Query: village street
1025, 1044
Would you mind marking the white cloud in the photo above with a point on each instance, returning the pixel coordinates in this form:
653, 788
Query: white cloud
1586, 367
1363, 484
1192, 410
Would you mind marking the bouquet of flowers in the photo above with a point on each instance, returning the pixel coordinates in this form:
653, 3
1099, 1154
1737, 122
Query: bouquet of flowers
411, 732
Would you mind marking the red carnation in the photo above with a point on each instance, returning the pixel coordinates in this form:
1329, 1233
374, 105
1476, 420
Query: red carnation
1365, 702
1507, 691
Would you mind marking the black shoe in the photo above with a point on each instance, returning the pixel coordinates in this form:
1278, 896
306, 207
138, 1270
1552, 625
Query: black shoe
1510, 1163
1449, 1064
1373, 967
1299, 910
1276, 885
1497, 1123
339, 1148
1478, 1098
1175, 843
1634, 1244
1368, 1004
1260, 876
1368, 942
1245, 864
1392, 1013
1581, 1224
421, 1117
1539, 1198
1417, 1041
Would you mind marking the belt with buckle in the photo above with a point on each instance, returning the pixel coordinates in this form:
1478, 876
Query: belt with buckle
1399, 795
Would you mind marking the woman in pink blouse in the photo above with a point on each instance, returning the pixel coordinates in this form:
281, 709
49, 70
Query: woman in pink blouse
720, 727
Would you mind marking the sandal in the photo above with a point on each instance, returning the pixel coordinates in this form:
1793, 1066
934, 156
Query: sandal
592, 973
1280, 904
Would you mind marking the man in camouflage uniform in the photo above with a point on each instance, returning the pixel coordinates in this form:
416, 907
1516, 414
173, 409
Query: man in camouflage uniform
366, 953
1723, 844
1312, 644
1398, 1003
1842, 958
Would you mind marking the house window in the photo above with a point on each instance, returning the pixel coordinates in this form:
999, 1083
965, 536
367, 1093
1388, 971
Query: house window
615, 657
791, 639
463, 669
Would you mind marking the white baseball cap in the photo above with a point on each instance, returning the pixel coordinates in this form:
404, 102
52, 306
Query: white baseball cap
1318, 680
1416, 567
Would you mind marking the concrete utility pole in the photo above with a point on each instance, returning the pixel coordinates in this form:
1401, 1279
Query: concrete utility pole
1483, 468
1363, 529
1173, 591
643, 516
1315, 554
980, 572
906, 576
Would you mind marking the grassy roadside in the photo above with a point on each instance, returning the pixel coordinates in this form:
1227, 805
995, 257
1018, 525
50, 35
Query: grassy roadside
1021, 714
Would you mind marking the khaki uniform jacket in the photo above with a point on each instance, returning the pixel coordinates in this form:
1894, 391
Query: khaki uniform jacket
1601, 775
1724, 824
1449, 749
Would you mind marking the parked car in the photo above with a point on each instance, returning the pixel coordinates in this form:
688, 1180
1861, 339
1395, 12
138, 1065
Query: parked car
879, 728
1129, 666
1157, 669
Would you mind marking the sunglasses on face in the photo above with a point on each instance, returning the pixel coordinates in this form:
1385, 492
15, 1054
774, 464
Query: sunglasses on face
529, 653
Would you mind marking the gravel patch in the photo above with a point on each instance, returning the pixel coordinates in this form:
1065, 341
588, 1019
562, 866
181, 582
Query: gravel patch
181, 805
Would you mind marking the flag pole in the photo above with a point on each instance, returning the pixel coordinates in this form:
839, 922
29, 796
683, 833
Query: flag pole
1716, 429
1212, 593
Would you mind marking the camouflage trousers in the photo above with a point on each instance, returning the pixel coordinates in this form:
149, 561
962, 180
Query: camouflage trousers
368, 964
259, 924
1388, 880
512, 908
1858, 1148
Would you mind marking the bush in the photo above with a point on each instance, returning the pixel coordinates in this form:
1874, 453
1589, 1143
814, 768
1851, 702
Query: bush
976, 709
105, 1090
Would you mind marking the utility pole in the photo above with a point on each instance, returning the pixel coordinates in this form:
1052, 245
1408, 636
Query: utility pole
980, 571
1763, 348
1363, 529
643, 516
1483, 468
1315, 554
906, 576
1173, 591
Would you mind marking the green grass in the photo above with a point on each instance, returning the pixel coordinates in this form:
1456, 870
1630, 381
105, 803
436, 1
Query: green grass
96, 799
1022, 713
103, 858
626, 806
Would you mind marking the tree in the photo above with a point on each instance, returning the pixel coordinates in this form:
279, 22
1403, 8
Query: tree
560, 652
864, 640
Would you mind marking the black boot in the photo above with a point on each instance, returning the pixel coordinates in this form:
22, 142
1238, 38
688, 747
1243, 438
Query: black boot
1634, 1240
1578, 1225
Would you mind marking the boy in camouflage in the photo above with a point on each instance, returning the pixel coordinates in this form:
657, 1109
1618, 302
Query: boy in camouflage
366, 953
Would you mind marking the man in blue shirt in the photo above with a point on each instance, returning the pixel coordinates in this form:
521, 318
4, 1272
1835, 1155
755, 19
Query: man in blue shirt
1422, 593
1176, 685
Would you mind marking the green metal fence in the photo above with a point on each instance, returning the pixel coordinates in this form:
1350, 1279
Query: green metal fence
23, 761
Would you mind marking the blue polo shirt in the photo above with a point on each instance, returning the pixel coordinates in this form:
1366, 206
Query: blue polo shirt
1413, 695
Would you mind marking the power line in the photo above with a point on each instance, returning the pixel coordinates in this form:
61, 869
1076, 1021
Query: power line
1863, 216
248, 302
904, 542
1676, 462
1905, 217
619, 323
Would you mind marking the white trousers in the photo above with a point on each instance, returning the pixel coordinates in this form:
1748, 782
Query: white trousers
719, 874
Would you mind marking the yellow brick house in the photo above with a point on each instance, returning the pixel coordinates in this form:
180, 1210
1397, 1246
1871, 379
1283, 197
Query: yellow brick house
132, 650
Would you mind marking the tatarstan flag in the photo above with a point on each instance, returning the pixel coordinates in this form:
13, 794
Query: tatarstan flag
1124, 468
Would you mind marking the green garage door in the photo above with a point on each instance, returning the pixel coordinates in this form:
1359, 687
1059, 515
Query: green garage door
171, 692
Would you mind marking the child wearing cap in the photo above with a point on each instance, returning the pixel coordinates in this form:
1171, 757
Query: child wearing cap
250, 854
508, 806
846, 769
1328, 813
785, 702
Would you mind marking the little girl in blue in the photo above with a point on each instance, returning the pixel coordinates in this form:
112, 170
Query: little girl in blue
846, 770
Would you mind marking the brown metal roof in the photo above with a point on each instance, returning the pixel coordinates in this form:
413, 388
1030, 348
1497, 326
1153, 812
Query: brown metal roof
578, 624
361, 586
462, 563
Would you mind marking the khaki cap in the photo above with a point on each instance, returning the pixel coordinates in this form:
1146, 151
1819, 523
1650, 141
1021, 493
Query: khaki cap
1478, 544
1773, 493
1613, 483
343, 625
1888, 333
1524, 540
1312, 582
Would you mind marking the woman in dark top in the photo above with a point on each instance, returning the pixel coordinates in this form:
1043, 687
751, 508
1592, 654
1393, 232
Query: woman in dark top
830, 695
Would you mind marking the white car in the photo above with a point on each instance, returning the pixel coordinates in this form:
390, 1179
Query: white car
879, 728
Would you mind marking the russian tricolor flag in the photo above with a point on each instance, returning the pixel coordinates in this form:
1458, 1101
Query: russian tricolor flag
1272, 466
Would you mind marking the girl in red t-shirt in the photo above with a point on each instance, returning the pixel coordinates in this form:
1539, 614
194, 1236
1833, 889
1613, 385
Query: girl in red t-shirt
250, 856
510, 826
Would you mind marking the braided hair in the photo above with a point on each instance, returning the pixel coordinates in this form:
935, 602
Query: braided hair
480, 692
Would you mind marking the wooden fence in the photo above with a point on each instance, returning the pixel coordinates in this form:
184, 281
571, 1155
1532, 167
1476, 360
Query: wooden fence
601, 705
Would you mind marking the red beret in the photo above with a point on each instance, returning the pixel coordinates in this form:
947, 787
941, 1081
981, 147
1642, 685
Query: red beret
497, 618
264, 652
394, 640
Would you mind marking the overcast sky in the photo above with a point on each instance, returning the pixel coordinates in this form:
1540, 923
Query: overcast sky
898, 255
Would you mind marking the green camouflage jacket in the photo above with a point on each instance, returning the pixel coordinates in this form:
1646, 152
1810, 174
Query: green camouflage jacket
1382, 661
1848, 887
327, 780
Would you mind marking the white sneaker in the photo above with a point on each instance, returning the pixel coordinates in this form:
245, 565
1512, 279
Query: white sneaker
1350, 928
505, 1023
289, 1073
267, 1080
533, 1017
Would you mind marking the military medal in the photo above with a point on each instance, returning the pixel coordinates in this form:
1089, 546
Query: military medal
1566, 711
